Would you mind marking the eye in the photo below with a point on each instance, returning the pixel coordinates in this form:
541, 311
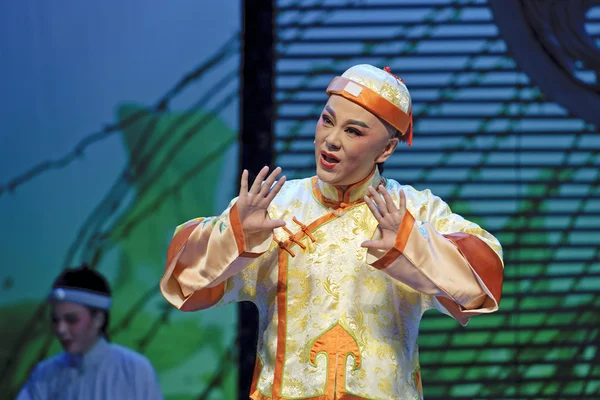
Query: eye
353, 131
71, 319
327, 120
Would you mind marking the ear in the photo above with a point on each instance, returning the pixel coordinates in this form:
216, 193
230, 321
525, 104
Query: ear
98, 319
388, 150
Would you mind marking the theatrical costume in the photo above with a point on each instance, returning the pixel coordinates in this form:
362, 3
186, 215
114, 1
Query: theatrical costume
106, 371
338, 321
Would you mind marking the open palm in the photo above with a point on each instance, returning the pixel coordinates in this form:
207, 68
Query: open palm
252, 204
387, 215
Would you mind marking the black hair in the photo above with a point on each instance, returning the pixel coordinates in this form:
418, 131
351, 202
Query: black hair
85, 278
394, 133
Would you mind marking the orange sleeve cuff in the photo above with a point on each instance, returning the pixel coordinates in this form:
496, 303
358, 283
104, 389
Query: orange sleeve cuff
486, 265
198, 300
241, 240
236, 226
204, 298
483, 260
392, 254
179, 240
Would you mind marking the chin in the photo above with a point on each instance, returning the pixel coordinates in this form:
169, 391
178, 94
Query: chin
326, 176
72, 349
330, 178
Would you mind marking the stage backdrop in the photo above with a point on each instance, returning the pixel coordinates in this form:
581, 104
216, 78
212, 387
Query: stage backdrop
118, 121
500, 152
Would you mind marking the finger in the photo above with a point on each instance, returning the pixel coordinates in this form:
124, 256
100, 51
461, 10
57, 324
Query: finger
275, 189
389, 202
244, 184
271, 224
266, 185
256, 185
373, 244
373, 208
402, 207
378, 200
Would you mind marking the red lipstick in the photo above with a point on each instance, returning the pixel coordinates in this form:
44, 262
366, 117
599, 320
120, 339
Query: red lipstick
328, 160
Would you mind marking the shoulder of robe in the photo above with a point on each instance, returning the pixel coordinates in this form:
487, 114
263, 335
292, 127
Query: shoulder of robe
48, 367
129, 356
293, 189
411, 192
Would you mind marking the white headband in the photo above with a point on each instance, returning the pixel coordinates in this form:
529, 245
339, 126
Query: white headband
82, 297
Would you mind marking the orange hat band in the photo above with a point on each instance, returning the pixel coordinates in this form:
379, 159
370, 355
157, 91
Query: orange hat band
373, 102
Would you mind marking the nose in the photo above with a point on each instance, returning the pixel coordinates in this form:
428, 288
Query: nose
61, 329
333, 140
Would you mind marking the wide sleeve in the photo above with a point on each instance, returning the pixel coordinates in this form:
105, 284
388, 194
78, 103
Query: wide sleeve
203, 254
443, 255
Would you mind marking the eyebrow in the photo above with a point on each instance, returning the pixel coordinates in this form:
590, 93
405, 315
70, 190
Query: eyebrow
330, 111
63, 316
350, 121
357, 122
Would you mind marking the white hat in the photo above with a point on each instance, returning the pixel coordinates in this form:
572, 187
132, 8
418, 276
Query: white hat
378, 91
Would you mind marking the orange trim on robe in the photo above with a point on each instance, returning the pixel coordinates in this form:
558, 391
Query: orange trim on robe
347, 194
392, 254
201, 299
256, 375
257, 395
327, 285
238, 233
483, 259
419, 382
281, 322
179, 240
344, 198
236, 226
322, 199
337, 344
485, 263
284, 251
478, 256
204, 298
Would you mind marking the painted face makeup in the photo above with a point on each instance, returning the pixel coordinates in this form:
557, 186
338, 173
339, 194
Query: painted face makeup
349, 141
75, 326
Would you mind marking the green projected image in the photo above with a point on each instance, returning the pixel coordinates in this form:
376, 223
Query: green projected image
100, 164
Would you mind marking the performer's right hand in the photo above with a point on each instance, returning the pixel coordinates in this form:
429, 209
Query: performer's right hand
252, 204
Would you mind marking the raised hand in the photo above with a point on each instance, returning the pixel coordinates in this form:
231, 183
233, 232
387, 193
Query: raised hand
387, 215
252, 204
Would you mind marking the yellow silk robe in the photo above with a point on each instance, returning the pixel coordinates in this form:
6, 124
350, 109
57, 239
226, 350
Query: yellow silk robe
336, 321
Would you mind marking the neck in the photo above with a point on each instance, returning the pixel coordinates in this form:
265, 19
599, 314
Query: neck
94, 354
91, 345
348, 194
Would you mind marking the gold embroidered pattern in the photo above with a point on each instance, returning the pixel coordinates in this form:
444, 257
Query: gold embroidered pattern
377, 317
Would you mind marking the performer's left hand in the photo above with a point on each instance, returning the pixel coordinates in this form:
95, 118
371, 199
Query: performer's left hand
387, 215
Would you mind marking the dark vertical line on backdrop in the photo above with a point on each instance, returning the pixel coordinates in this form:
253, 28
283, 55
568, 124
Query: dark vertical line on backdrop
257, 112
525, 214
